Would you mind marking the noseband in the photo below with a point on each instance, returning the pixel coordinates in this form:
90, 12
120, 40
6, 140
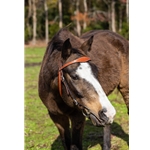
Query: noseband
86, 112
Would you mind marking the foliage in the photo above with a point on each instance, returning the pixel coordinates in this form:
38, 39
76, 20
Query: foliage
26, 35
125, 30
97, 26
68, 11
40, 131
53, 29
26, 31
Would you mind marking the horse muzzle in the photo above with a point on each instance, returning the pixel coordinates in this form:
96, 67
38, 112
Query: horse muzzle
100, 120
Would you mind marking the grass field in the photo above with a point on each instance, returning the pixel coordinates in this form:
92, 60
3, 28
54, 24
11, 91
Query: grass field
40, 131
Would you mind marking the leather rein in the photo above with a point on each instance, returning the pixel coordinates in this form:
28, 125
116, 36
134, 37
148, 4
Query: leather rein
86, 112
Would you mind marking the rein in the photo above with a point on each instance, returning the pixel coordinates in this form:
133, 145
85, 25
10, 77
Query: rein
86, 112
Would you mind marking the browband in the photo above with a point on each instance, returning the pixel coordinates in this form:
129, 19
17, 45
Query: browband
60, 73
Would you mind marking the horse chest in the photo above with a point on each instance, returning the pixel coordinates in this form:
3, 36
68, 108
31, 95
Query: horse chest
57, 106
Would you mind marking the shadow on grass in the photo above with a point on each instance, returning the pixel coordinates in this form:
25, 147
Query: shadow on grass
94, 135
117, 130
32, 64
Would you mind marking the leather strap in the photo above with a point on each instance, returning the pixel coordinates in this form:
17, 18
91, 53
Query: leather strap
85, 111
81, 59
60, 73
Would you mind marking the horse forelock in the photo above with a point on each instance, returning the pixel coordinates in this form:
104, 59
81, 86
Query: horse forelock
56, 42
60, 37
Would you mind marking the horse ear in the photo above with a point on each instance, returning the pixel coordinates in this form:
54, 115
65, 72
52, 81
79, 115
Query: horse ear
86, 46
66, 49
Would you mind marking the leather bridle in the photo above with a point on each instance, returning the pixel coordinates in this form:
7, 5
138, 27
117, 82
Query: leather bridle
60, 72
86, 112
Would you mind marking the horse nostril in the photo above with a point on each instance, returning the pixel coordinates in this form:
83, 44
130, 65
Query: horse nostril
104, 110
103, 115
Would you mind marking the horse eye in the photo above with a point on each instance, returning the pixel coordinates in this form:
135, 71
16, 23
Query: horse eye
74, 77
79, 95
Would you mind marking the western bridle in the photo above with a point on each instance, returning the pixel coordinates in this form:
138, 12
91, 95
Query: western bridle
86, 112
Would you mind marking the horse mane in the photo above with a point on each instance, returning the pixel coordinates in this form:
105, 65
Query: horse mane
57, 41
59, 38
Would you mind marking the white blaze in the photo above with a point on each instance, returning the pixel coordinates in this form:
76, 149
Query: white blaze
84, 71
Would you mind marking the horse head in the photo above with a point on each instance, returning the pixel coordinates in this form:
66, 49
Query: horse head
81, 87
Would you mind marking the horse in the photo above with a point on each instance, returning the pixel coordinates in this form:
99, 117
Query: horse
76, 76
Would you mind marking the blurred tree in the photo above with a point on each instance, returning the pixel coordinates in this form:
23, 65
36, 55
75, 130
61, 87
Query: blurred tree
34, 21
85, 14
78, 18
29, 28
28, 20
60, 13
108, 3
113, 15
46, 21
43, 18
127, 10
120, 17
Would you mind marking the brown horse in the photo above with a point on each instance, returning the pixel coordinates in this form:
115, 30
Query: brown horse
76, 75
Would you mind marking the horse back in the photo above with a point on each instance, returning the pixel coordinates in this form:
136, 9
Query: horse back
110, 53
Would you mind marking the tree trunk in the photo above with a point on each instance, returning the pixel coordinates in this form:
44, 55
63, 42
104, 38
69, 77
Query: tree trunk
113, 16
78, 22
108, 3
85, 14
60, 13
28, 18
34, 22
120, 18
46, 21
127, 10
109, 16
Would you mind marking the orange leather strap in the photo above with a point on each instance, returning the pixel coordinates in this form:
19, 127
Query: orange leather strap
60, 73
81, 59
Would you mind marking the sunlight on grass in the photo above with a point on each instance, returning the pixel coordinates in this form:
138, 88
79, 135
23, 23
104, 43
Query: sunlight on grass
40, 131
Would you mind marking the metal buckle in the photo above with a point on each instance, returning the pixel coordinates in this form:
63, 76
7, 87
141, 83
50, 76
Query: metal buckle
75, 101
86, 112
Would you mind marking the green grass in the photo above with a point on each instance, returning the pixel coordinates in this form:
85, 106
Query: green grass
34, 55
40, 131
